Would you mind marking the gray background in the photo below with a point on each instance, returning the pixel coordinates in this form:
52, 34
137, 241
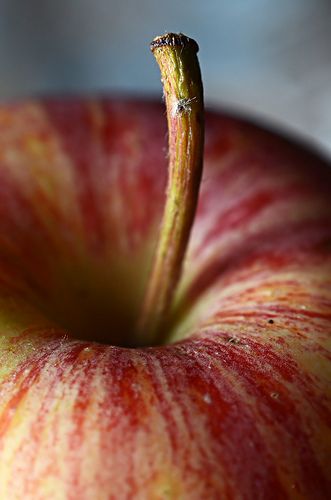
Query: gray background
271, 58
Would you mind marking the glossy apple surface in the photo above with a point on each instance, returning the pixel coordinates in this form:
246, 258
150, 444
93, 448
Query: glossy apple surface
237, 404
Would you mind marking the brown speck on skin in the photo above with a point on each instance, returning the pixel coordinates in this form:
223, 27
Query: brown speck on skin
271, 321
325, 246
233, 340
274, 395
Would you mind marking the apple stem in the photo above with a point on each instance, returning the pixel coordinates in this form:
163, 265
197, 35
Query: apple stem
176, 55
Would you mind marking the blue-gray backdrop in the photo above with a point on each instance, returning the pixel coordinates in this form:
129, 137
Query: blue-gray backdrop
269, 57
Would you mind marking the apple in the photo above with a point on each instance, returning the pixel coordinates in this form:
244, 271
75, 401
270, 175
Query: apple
234, 403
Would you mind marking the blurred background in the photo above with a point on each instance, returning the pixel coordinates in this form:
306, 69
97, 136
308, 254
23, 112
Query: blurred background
269, 58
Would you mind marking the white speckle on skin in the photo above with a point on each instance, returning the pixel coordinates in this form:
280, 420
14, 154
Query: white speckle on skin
207, 398
136, 387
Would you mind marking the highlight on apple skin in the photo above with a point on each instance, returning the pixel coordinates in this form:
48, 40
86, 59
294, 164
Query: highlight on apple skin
237, 403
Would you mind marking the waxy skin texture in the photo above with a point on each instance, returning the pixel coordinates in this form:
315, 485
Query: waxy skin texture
236, 405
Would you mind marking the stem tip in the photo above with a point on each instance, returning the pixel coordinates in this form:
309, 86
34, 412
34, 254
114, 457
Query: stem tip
174, 40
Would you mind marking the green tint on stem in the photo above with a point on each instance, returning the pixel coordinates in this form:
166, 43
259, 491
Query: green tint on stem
176, 55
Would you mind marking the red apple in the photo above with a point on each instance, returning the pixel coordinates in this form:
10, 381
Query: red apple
236, 404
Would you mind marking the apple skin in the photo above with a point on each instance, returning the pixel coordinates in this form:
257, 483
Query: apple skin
237, 404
